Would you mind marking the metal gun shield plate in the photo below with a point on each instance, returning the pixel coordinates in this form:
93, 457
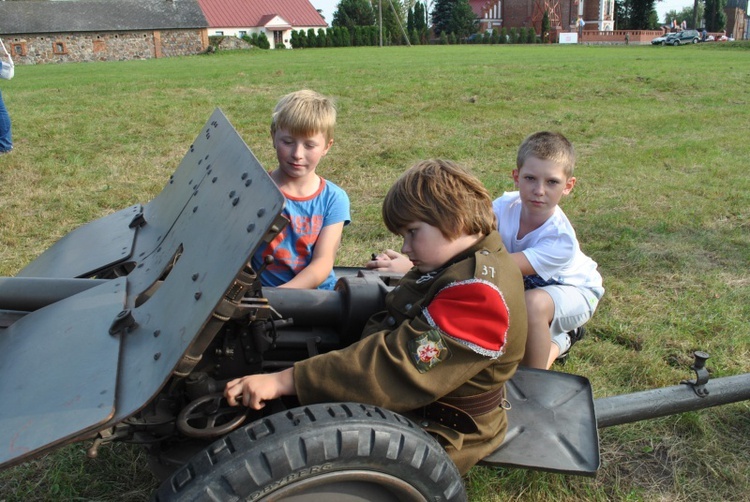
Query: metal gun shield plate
551, 424
196, 238
191, 243
88, 249
58, 371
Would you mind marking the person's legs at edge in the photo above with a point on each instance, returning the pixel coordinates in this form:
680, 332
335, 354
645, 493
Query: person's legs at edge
6, 140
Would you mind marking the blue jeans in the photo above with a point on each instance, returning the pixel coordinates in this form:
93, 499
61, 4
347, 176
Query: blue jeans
6, 140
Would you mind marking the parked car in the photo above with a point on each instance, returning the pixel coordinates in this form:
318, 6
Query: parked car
662, 40
684, 37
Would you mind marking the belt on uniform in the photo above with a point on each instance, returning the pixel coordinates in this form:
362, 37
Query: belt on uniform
458, 412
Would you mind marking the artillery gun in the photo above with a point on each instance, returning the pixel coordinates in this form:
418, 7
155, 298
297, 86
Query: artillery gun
128, 328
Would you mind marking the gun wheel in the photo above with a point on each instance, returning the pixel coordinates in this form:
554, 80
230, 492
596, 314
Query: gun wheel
343, 451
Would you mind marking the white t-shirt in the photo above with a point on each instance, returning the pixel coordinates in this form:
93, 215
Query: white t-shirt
551, 249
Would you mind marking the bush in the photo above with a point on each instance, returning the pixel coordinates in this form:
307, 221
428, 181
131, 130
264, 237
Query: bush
312, 39
512, 36
530, 36
414, 37
322, 37
346, 38
504, 36
263, 42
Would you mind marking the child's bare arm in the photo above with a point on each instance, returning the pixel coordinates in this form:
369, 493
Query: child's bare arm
523, 263
323, 259
254, 390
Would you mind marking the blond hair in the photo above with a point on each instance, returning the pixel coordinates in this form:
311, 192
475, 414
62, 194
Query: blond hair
442, 194
305, 113
545, 145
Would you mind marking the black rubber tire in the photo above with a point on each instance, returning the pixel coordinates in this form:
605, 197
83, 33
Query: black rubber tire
677, 42
341, 451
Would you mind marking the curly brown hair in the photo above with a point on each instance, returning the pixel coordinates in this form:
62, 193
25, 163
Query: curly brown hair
443, 194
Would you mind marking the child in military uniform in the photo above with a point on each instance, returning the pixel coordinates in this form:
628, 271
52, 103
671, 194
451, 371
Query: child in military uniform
454, 330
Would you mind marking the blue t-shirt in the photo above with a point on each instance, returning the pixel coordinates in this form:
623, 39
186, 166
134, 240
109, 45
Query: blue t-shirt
292, 249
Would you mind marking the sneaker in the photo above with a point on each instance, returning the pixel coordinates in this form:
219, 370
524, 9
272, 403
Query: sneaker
575, 335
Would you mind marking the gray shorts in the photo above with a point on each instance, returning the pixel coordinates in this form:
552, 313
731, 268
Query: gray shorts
574, 306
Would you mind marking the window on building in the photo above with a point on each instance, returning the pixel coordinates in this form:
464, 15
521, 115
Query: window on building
59, 47
278, 38
219, 33
242, 33
19, 48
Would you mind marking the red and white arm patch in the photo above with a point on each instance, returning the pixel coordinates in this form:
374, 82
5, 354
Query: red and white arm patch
472, 312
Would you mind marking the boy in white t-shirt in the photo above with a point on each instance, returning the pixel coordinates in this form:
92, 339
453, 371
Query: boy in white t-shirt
563, 286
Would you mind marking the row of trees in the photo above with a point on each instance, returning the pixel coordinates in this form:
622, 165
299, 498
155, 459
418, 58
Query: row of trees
641, 15
456, 18
506, 36
711, 11
448, 16
359, 36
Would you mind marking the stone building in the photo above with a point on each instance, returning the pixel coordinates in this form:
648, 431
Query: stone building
105, 30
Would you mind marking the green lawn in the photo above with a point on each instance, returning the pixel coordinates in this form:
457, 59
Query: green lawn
662, 203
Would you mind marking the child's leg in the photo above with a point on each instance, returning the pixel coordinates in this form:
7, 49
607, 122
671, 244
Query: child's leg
573, 307
539, 309
554, 351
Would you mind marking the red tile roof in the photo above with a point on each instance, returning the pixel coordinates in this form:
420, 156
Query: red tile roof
252, 13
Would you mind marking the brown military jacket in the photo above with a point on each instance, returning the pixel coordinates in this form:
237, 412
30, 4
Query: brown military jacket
456, 332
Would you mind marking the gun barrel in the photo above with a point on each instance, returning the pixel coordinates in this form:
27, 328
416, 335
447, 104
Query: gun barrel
626, 408
32, 293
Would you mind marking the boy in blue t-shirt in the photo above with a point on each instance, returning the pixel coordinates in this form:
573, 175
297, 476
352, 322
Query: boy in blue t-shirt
304, 252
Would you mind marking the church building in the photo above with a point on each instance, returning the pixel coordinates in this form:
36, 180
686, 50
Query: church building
564, 15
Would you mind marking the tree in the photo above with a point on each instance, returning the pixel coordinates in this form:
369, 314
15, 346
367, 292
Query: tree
414, 37
686, 14
312, 39
263, 42
464, 21
716, 18
322, 37
454, 16
419, 19
504, 38
394, 15
351, 13
545, 26
420, 16
636, 15
441, 16
530, 35
346, 38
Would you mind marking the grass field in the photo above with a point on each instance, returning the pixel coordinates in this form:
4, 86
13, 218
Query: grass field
662, 204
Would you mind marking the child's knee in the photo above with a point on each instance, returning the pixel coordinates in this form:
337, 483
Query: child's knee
539, 303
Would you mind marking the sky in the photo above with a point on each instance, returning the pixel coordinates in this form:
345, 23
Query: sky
667, 5
329, 7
